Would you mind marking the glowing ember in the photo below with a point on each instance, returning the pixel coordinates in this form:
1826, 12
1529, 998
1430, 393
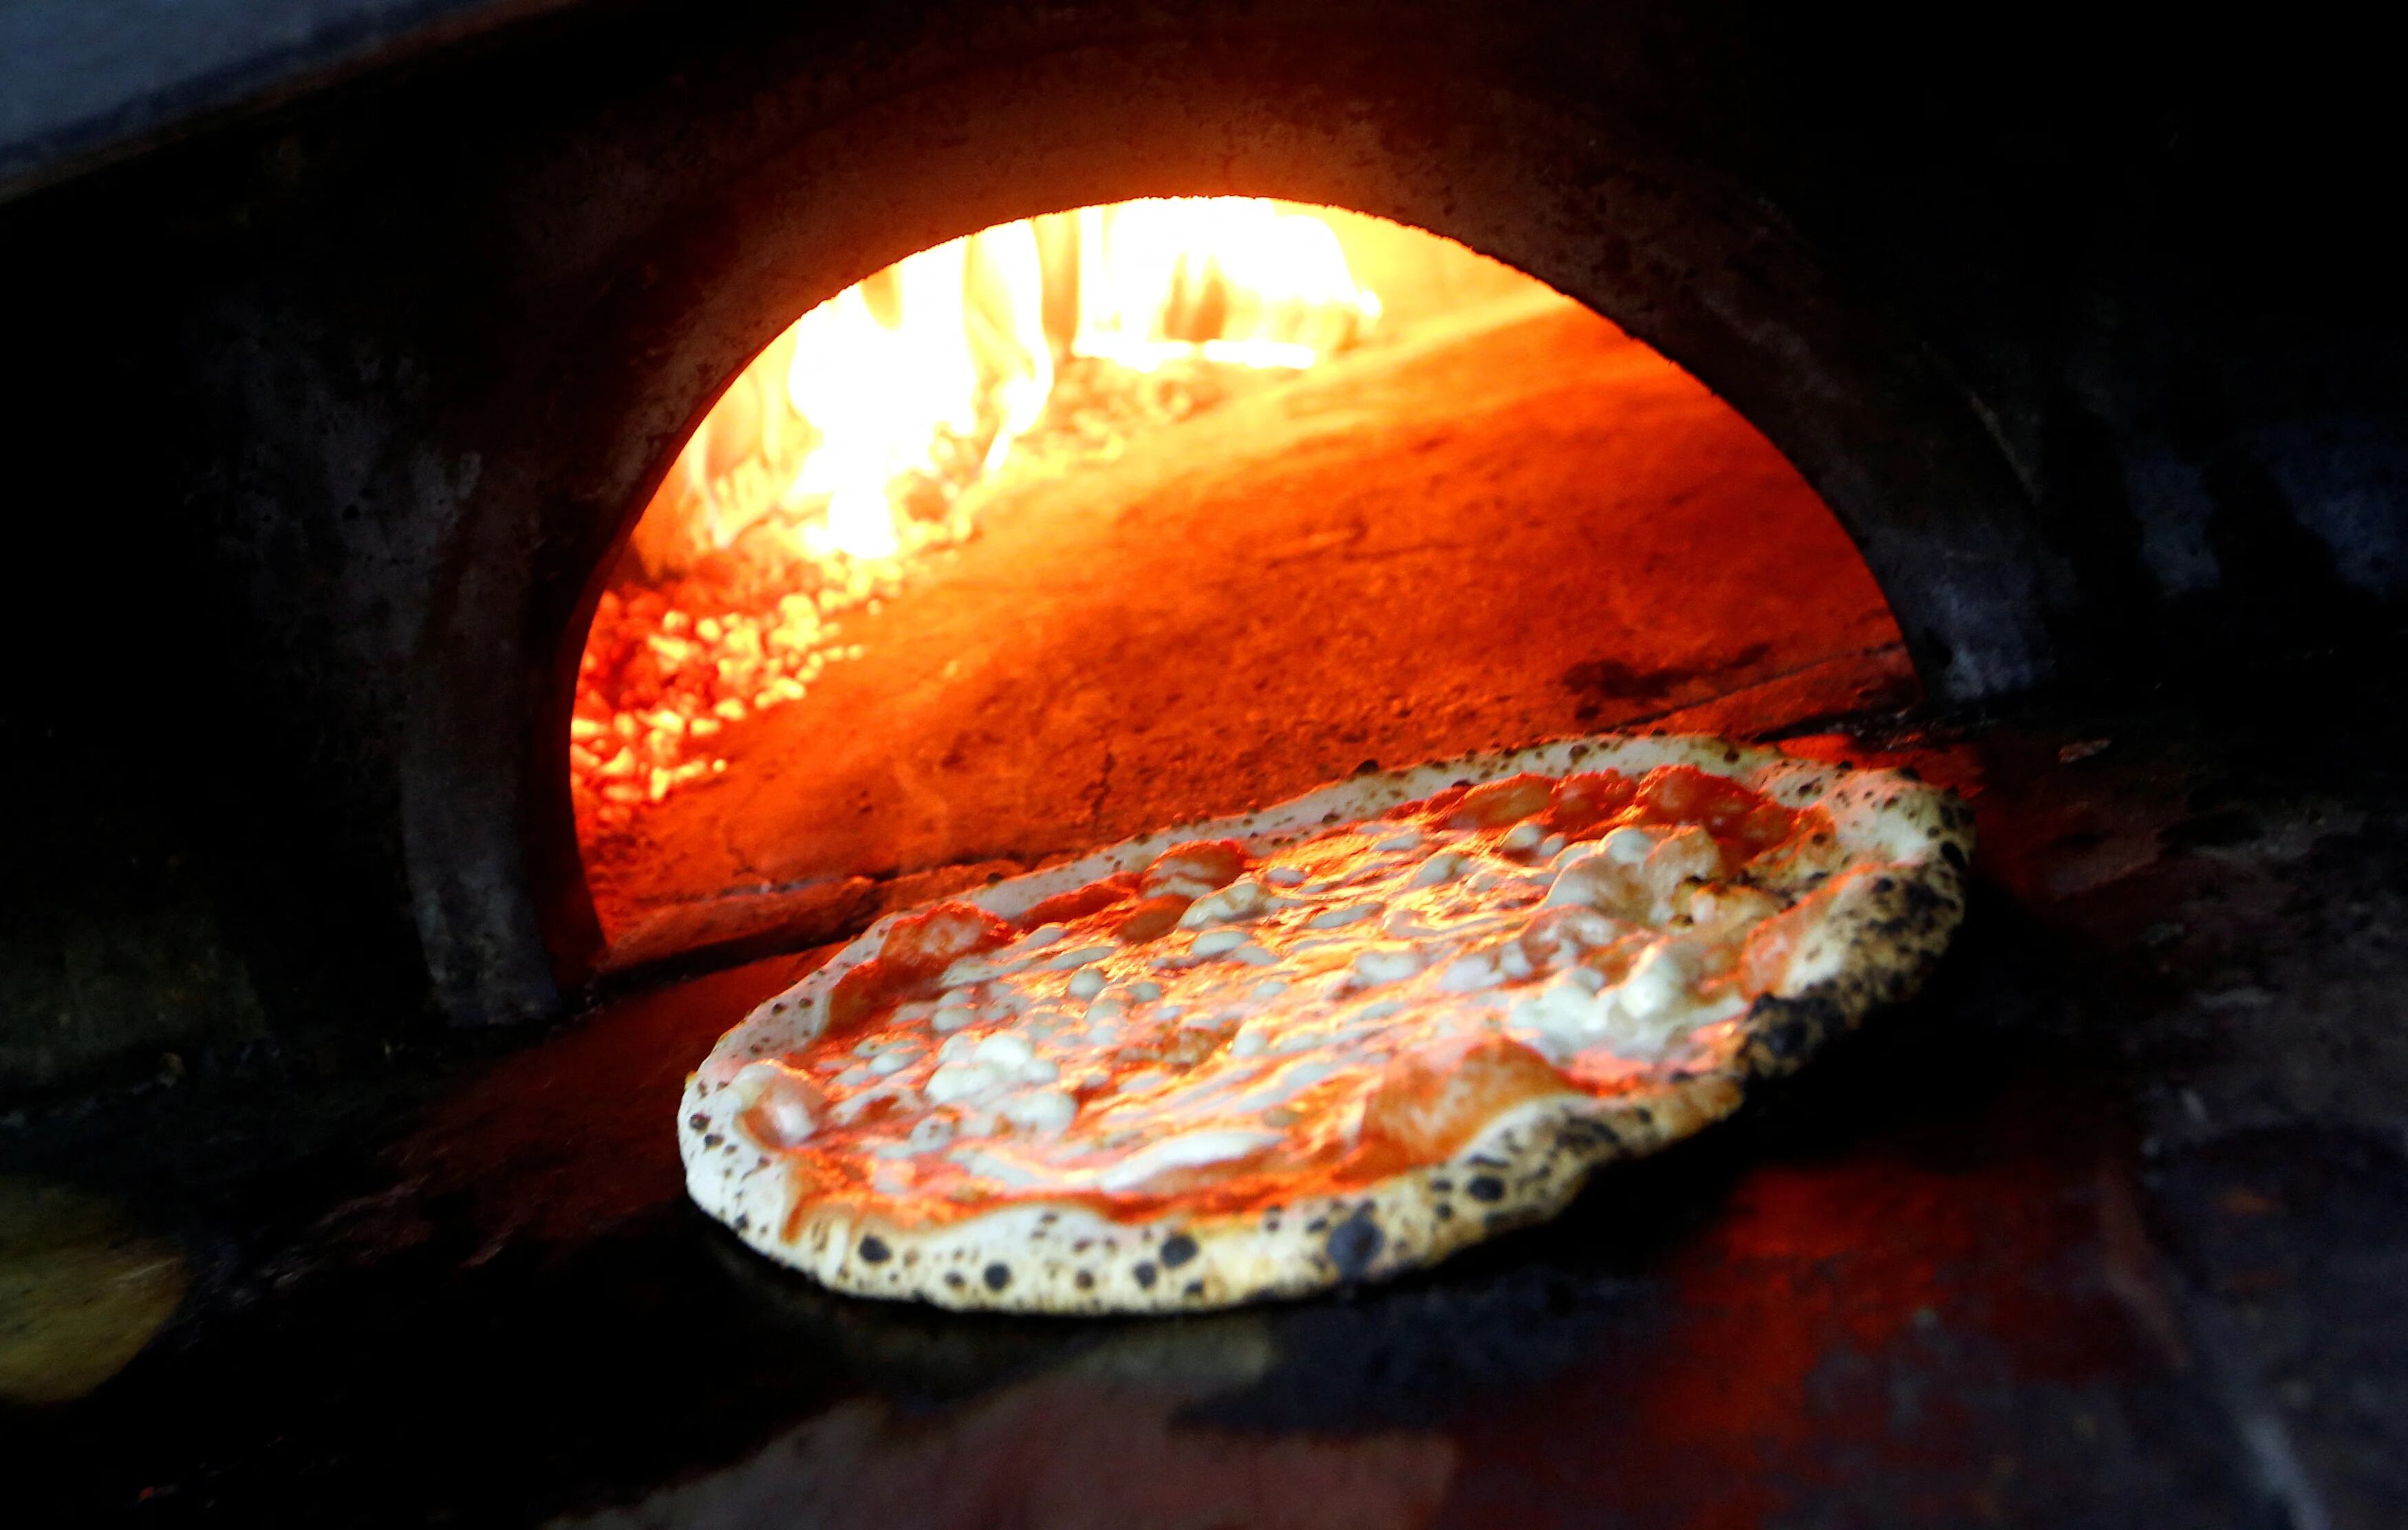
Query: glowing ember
845, 447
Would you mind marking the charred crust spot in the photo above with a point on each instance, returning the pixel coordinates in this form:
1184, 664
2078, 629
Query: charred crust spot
713, 1141
1085, 1280
743, 1219
697, 1121
1788, 1029
1318, 1225
875, 1251
1485, 1187
1923, 899
1953, 854
1441, 1184
1177, 1250
1354, 1243
1144, 1273
1585, 1133
1442, 1212
996, 1276
954, 1278
1194, 1288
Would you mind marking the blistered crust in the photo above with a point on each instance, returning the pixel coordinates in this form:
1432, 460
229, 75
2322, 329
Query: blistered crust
1882, 923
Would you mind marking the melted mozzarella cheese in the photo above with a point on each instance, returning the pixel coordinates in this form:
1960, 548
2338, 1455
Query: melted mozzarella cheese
1249, 1036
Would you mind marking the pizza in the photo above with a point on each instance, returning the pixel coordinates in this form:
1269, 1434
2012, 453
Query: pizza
1322, 1043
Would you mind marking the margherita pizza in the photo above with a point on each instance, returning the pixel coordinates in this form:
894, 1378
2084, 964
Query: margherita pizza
1326, 1043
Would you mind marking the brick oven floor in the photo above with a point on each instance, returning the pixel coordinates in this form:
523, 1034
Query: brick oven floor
2109, 1227
1513, 523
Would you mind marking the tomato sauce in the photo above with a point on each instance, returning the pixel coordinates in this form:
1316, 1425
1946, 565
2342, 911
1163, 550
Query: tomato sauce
1237, 1026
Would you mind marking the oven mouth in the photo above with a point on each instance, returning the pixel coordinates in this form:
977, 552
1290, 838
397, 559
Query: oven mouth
1100, 521
563, 436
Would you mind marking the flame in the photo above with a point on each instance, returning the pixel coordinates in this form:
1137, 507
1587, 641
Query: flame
1230, 279
844, 448
947, 343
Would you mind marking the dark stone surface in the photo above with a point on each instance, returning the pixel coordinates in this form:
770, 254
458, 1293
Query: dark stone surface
2077, 1238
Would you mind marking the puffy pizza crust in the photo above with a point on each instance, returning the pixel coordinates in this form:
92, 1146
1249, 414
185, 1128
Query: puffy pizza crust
1877, 934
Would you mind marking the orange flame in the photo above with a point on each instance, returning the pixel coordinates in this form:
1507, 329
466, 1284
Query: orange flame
1230, 279
843, 448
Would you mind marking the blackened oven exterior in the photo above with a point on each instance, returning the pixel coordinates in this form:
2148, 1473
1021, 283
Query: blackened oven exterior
331, 409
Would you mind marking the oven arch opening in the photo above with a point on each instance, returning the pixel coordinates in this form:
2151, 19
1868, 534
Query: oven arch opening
1126, 515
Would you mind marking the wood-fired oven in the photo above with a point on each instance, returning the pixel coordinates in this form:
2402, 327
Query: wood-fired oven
2021, 397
